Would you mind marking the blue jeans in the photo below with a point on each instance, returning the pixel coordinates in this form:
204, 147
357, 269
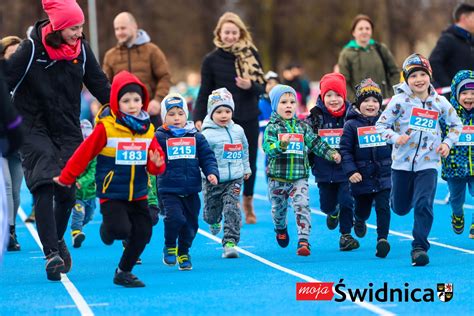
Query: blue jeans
13, 175
457, 194
82, 213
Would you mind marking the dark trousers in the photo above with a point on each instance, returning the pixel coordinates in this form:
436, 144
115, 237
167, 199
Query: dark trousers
415, 190
181, 219
131, 221
363, 207
252, 130
336, 197
53, 204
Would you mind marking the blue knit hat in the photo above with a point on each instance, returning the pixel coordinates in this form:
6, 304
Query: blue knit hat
276, 93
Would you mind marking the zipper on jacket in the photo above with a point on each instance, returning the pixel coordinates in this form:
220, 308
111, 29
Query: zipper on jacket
418, 146
470, 152
231, 141
107, 180
292, 130
132, 179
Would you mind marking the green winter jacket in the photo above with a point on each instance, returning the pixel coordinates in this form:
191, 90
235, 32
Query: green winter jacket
152, 197
87, 183
291, 163
357, 63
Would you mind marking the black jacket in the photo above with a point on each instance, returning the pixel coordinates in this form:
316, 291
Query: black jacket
454, 51
218, 71
49, 99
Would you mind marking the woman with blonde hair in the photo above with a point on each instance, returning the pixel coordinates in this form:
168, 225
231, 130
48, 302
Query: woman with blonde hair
235, 64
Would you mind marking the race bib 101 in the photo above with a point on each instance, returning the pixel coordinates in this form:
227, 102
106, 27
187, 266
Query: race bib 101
181, 148
296, 145
368, 137
423, 120
467, 136
232, 152
331, 136
131, 153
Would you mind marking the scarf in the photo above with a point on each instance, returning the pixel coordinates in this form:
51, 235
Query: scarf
65, 51
181, 131
137, 124
339, 112
246, 64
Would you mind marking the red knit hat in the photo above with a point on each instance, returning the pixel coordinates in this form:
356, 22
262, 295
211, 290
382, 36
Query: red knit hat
63, 13
333, 81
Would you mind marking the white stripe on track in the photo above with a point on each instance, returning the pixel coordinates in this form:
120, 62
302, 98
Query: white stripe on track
392, 232
80, 302
371, 307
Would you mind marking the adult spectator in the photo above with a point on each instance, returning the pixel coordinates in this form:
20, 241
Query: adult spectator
454, 50
363, 57
135, 53
45, 76
235, 65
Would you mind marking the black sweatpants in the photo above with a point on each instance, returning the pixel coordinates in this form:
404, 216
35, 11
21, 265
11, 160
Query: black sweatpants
363, 207
53, 204
252, 130
131, 221
336, 197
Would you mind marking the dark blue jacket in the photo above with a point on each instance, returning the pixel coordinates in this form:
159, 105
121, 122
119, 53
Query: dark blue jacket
322, 169
374, 164
183, 176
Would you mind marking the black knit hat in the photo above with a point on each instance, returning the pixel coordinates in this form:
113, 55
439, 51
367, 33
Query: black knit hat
367, 88
132, 87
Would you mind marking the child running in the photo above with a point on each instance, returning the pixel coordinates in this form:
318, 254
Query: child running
126, 149
366, 160
286, 143
410, 123
230, 147
458, 167
187, 153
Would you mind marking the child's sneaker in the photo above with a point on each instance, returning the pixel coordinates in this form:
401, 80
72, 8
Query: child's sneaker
282, 237
54, 266
127, 279
382, 249
471, 232
184, 262
360, 228
419, 257
332, 221
77, 238
230, 251
347, 243
169, 255
65, 255
304, 248
458, 223
215, 228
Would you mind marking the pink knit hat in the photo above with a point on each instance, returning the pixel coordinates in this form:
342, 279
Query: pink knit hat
63, 13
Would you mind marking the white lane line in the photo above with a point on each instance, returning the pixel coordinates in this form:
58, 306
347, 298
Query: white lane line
392, 232
373, 308
80, 302
74, 306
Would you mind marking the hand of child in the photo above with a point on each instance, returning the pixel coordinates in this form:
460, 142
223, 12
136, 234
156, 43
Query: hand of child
337, 158
285, 140
243, 83
443, 150
212, 179
247, 176
198, 125
156, 158
403, 139
78, 185
355, 178
56, 180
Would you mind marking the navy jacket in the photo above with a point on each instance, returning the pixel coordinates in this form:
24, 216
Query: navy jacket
183, 176
322, 169
374, 164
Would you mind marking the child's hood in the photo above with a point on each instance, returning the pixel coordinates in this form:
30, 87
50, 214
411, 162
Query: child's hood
403, 87
461, 78
122, 79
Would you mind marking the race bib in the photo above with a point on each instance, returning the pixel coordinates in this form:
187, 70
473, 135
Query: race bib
467, 136
181, 148
423, 120
232, 152
368, 137
331, 136
131, 153
296, 145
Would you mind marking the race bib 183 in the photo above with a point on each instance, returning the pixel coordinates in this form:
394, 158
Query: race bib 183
131, 153
331, 136
368, 137
423, 120
181, 148
296, 145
